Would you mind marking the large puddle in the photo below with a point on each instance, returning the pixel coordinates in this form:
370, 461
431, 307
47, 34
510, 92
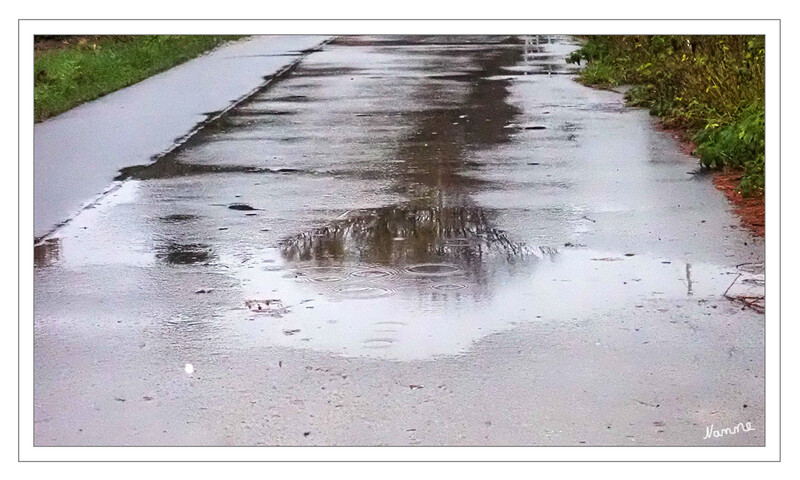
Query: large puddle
441, 306
392, 198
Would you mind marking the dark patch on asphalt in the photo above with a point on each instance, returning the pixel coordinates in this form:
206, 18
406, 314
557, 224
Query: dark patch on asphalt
178, 218
168, 167
46, 253
175, 253
313, 72
289, 98
242, 206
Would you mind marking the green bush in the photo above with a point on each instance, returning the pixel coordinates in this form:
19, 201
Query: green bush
738, 145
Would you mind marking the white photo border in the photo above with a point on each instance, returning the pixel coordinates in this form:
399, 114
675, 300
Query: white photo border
770, 452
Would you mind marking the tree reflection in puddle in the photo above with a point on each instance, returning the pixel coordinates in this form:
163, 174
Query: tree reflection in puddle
405, 236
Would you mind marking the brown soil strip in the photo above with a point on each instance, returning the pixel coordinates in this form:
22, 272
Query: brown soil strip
750, 210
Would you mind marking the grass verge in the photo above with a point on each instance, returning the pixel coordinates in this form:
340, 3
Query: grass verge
71, 70
709, 86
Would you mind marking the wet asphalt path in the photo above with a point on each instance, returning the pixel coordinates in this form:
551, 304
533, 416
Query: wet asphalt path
406, 241
78, 153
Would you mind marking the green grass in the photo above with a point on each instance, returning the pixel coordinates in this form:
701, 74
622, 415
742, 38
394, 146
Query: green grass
86, 68
712, 86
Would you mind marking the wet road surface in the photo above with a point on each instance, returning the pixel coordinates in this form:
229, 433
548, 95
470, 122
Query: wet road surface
407, 241
78, 153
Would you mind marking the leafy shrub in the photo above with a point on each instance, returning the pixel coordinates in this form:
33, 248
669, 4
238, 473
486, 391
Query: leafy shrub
738, 145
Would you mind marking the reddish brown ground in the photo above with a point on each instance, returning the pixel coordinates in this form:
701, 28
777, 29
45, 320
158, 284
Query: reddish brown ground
750, 210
